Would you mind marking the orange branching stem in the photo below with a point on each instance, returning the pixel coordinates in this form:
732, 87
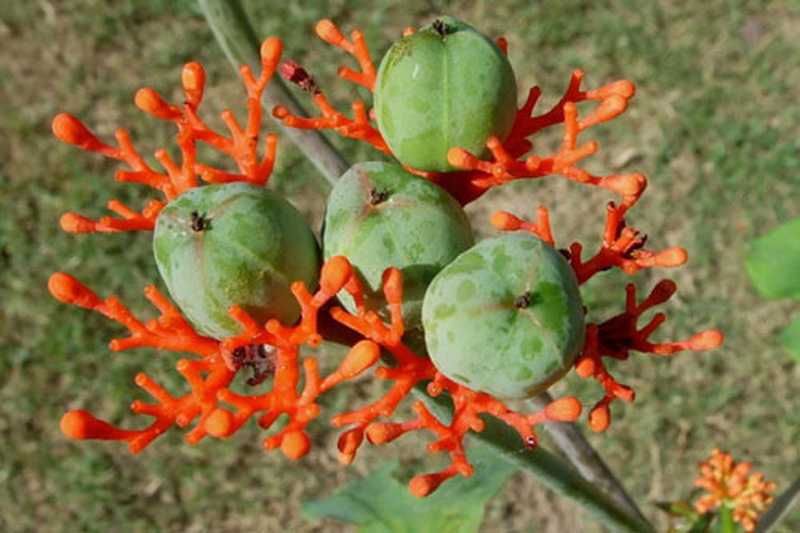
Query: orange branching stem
241, 145
360, 126
411, 369
620, 245
729, 484
509, 160
219, 411
617, 336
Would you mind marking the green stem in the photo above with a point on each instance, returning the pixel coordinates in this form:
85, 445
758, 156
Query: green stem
571, 441
238, 40
725, 523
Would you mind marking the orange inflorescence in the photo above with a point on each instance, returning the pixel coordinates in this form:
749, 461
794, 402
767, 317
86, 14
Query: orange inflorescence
731, 485
220, 412
410, 370
621, 246
271, 350
241, 146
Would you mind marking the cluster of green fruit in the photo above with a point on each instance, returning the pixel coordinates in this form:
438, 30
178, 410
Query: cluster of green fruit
503, 316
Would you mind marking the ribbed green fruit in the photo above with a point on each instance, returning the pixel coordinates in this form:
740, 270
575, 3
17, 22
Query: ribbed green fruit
234, 244
381, 216
444, 86
505, 317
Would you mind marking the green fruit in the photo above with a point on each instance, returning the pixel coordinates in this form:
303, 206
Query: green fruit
444, 86
381, 216
234, 244
505, 317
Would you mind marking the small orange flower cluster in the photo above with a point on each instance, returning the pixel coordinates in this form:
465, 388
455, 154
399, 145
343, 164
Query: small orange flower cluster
272, 349
730, 484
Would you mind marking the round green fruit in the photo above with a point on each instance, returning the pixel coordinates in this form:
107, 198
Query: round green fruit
505, 317
381, 216
444, 86
234, 244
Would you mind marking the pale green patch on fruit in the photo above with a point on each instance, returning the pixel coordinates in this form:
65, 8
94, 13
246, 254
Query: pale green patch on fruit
444, 86
505, 317
234, 244
381, 216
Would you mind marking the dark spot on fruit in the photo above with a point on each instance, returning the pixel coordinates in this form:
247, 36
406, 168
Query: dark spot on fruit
200, 222
530, 442
565, 253
378, 196
256, 357
523, 301
441, 27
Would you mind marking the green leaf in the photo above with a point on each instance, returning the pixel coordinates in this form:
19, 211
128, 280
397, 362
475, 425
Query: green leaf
779, 509
774, 262
790, 338
380, 503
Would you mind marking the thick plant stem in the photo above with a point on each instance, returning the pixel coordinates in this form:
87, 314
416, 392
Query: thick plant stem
238, 40
571, 441
599, 493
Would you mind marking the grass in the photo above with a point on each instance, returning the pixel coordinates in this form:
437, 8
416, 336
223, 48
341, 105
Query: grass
714, 126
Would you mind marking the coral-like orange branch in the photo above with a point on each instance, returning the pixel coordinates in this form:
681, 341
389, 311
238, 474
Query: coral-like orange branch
241, 146
360, 126
621, 247
210, 376
410, 370
730, 484
509, 161
617, 336
508, 157
330, 33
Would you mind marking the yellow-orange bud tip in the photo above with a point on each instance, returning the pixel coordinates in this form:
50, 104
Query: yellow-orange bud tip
361, 356
69, 290
219, 423
193, 77
504, 220
600, 418
75, 223
327, 31
335, 273
423, 485
295, 445
564, 409
706, 340
71, 130
393, 283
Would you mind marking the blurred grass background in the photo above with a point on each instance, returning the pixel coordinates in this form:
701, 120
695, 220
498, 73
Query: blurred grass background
714, 126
